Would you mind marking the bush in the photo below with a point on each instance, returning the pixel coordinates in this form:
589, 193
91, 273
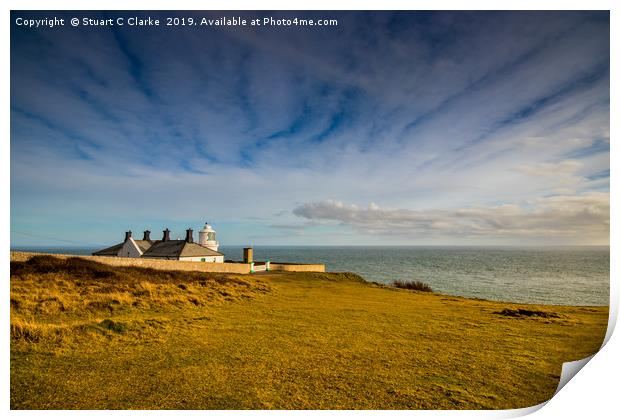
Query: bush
117, 327
412, 285
519, 313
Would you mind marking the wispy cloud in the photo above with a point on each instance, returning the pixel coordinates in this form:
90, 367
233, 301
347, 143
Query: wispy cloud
425, 110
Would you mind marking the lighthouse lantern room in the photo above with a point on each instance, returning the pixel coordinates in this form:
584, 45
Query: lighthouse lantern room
206, 237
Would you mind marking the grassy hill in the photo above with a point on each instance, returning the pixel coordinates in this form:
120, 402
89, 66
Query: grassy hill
91, 336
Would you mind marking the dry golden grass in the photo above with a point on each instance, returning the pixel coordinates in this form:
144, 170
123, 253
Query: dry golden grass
84, 335
48, 286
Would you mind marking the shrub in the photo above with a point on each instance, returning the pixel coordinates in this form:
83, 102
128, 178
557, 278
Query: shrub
412, 285
117, 327
519, 313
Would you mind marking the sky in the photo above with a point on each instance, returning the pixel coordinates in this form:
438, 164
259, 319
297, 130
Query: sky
404, 128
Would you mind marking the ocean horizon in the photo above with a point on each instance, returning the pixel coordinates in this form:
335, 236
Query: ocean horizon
558, 275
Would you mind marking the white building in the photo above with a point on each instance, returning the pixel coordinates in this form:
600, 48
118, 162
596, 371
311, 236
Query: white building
167, 249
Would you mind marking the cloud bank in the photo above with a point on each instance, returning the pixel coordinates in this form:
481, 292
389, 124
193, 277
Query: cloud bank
582, 219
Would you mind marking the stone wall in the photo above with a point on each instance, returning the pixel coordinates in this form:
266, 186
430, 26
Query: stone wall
274, 266
235, 268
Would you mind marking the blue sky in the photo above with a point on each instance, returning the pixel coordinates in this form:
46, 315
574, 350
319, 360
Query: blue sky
408, 128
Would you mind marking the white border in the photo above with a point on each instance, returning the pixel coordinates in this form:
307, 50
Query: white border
593, 393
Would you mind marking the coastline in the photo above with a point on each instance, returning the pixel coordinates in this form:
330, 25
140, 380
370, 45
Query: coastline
17, 255
568, 276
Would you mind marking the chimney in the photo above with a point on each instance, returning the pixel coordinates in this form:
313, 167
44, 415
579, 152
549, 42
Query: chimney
127, 235
147, 235
248, 256
189, 235
166, 235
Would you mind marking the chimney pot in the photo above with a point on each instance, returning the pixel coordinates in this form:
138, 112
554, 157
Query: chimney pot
189, 237
147, 235
127, 235
166, 235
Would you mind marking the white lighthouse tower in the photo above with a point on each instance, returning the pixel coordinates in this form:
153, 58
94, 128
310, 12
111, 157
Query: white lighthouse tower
206, 237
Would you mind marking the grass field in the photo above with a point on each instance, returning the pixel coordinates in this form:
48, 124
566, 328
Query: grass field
89, 336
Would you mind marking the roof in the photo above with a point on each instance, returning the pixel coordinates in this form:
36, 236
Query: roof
163, 249
192, 249
178, 248
143, 245
111, 251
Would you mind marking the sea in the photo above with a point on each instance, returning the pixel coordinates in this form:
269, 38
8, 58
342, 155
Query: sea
559, 276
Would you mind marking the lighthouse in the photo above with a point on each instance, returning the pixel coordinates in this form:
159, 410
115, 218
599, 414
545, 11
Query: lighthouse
206, 237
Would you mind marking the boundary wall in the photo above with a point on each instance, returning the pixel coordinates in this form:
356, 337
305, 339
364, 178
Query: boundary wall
160, 264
